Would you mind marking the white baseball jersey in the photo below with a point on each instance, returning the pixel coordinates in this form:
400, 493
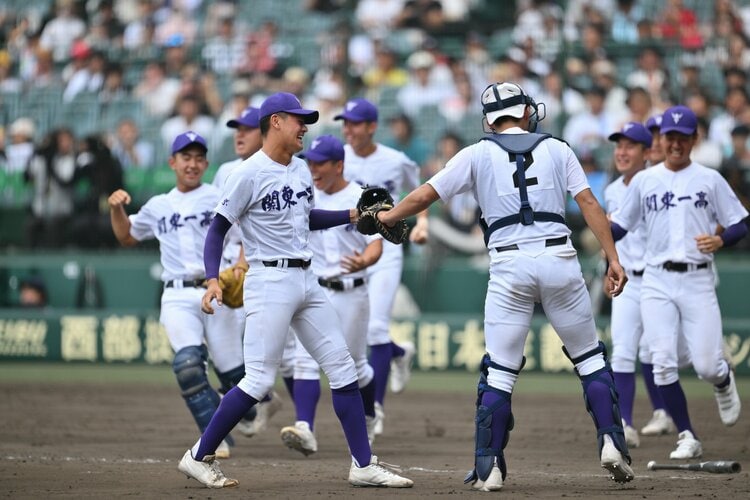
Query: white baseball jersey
632, 247
180, 222
272, 204
330, 245
385, 167
487, 170
677, 206
233, 239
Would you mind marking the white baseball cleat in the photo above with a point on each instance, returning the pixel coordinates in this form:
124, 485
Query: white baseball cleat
631, 435
729, 402
615, 463
687, 447
401, 368
223, 451
377, 426
660, 423
299, 437
494, 481
206, 471
376, 474
266, 410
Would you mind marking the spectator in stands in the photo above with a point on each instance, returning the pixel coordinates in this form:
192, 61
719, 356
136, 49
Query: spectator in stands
625, 21
188, 117
639, 105
109, 26
224, 52
9, 83
736, 168
51, 172
141, 31
589, 130
604, 75
20, 145
560, 102
651, 75
580, 12
421, 91
43, 74
61, 31
735, 77
404, 139
677, 23
130, 149
378, 17
705, 151
88, 76
736, 111
177, 24
102, 175
32, 292
156, 91
203, 86
386, 72
114, 88
175, 55
258, 55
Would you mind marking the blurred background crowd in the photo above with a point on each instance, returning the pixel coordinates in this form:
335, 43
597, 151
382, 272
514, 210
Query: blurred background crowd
93, 91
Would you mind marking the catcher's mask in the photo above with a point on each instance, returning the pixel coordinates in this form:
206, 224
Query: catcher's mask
509, 99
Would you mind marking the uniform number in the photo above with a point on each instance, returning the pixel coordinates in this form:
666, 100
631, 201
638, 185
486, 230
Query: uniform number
528, 160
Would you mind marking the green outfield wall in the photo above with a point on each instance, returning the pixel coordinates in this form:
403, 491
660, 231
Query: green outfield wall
104, 308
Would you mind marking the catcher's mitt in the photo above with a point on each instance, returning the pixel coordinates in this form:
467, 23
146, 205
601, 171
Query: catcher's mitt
231, 287
373, 200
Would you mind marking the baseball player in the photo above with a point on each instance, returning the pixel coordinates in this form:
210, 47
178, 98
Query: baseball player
179, 220
247, 141
520, 181
632, 149
680, 203
656, 154
374, 164
341, 256
271, 197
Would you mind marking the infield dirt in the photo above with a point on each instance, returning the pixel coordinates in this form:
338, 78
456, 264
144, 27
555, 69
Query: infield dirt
95, 441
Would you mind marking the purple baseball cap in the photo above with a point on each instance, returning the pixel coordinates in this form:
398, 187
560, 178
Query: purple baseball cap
250, 117
634, 131
654, 122
324, 148
188, 138
284, 102
358, 110
679, 119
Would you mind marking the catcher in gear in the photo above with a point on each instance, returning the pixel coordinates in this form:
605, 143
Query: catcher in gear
375, 199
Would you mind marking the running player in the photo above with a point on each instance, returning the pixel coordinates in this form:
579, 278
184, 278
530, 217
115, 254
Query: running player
179, 220
520, 181
271, 196
680, 203
341, 256
373, 164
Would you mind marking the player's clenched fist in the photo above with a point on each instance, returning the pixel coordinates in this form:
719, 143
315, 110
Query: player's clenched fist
213, 291
118, 198
617, 279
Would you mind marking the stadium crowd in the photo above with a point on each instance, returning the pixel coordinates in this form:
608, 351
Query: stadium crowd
92, 91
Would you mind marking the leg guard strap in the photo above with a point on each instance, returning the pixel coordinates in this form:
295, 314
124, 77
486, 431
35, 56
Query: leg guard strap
189, 366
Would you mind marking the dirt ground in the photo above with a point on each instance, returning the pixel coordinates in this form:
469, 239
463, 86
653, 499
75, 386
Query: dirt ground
124, 441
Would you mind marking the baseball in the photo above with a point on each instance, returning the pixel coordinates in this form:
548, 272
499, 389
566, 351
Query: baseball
650, 465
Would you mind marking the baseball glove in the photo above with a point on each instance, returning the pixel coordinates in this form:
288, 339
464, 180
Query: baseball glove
231, 287
373, 200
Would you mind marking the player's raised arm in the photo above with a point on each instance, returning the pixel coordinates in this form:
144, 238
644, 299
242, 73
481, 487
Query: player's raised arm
119, 219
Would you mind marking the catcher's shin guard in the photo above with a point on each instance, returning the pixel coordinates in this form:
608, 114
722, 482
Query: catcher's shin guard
485, 455
230, 379
605, 377
189, 366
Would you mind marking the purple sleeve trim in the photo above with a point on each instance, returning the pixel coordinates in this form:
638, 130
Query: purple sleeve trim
618, 232
734, 233
323, 219
214, 245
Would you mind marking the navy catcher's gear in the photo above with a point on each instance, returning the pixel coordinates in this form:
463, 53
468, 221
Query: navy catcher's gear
522, 98
189, 366
485, 456
603, 376
518, 145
